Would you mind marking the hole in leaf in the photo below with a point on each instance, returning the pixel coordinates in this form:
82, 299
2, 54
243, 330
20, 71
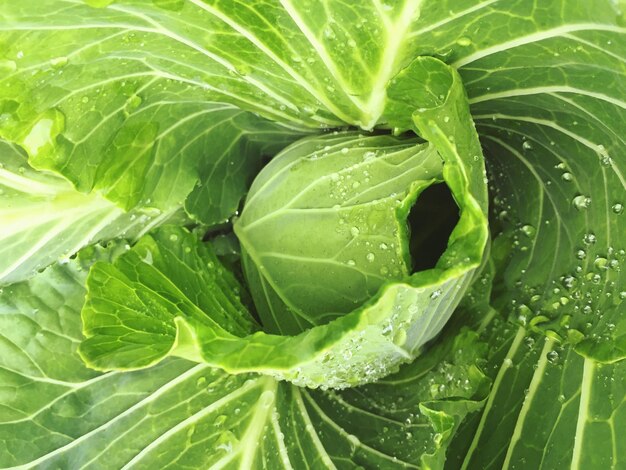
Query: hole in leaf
431, 221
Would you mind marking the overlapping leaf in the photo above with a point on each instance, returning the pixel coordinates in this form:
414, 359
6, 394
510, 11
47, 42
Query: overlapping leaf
44, 219
56, 412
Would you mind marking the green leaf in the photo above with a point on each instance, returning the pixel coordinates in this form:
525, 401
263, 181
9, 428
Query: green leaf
54, 412
169, 295
43, 218
120, 123
555, 153
548, 407
293, 62
129, 317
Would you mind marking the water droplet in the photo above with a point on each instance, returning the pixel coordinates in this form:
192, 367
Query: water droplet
567, 176
569, 281
523, 313
173, 237
581, 202
600, 263
589, 238
575, 336
354, 231
553, 357
463, 41
595, 278
400, 337
221, 419
581, 254
529, 230
618, 208
527, 145
606, 160
59, 62
8, 66
132, 104
370, 257
266, 399
351, 262
345, 150
436, 294
44, 132
369, 155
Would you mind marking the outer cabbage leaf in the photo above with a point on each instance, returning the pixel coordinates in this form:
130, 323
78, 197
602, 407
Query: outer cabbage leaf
305, 63
295, 62
55, 412
555, 150
43, 218
96, 111
171, 296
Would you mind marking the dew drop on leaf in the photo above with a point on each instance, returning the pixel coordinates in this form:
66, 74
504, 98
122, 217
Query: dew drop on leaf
59, 62
7, 65
581, 202
589, 238
601, 263
553, 357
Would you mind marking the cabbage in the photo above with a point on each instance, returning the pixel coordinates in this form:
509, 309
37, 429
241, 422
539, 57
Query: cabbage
283, 234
